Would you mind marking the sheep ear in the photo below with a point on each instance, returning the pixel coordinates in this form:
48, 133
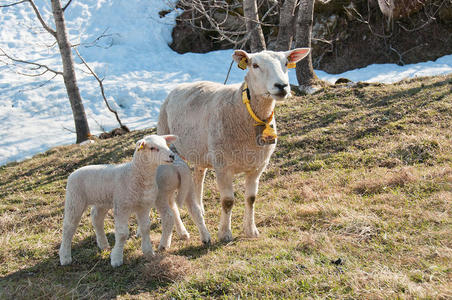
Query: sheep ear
170, 138
241, 58
294, 56
140, 145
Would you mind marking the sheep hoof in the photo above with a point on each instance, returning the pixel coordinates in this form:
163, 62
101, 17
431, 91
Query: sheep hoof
253, 233
184, 235
103, 245
225, 237
64, 261
207, 242
116, 257
149, 253
115, 264
162, 248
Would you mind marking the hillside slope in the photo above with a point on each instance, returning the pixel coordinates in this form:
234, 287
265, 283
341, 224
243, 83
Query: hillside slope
356, 203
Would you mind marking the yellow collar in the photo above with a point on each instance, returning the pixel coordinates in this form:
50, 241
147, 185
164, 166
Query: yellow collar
268, 132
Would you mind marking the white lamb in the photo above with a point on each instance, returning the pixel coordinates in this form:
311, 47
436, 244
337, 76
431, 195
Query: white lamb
217, 128
149, 180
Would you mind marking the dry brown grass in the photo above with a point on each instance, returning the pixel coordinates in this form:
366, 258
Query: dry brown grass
379, 183
167, 267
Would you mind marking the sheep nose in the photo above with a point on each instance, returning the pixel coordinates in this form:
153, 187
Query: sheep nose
171, 156
280, 86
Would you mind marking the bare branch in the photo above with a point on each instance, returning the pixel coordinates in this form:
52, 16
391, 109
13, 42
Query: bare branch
101, 90
37, 66
41, 20
12, 4
67, 4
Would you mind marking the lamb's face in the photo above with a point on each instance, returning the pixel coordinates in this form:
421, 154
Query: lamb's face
153, 149
268, 70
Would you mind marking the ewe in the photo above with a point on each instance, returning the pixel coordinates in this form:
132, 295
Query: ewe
231, 128
133, 187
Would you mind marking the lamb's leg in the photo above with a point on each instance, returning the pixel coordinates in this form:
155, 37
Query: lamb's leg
121, 235
144, 225
73, 210
198, 180
180, 228
196, 213
224, 181
167, 217
97, 217
251, 186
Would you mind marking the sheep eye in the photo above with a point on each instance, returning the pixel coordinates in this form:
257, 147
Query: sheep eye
153, 148
256, 66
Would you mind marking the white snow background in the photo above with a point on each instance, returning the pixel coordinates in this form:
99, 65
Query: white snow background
134, 58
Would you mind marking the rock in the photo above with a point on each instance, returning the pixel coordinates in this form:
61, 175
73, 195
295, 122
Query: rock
86, 143
342, 80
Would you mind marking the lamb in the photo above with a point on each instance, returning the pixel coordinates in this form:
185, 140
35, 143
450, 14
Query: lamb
149, 180
231, 128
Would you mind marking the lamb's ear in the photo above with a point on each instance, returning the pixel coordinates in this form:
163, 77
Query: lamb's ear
170, 138
294, 56
241, 58
140, 145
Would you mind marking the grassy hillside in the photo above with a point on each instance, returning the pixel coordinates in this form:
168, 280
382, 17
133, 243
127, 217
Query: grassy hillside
356, 203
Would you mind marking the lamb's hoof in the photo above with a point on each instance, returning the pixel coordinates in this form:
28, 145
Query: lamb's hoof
103, 245
116, 258
184, 235
115, 263
205, 239
149, 254
252, 233
65, 260
161, 248
225, 237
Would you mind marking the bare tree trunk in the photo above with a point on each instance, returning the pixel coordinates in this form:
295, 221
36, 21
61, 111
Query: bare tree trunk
285, 31
70, 81
252, 25
305, 72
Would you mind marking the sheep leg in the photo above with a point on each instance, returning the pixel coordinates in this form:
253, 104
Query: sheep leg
180, 228
196, 213
97, 217
144, 225
198, 180
121, 235
251, 186
167, 217
73, 210
224, 181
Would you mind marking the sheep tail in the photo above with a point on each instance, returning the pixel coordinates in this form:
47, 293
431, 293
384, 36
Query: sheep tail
186, 188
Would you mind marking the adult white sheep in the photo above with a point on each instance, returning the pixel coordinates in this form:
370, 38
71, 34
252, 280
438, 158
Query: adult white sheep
128, 188
217, 127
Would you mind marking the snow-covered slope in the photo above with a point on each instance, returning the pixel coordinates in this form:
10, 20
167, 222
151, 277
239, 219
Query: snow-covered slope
126, 43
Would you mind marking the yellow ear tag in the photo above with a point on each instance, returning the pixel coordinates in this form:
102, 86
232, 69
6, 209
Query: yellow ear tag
291, 65
269, 132
243, 63
141, 147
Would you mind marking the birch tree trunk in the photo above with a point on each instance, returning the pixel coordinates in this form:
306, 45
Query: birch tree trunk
305, 72
257, 41
286, 26
70, 80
